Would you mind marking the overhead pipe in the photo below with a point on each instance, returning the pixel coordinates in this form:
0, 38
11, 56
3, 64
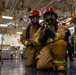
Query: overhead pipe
14, 6
7, 3
34, 7
75, 4
37, 4
42, 9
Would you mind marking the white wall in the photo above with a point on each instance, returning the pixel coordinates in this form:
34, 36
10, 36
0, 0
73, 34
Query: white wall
12, 40
71, 30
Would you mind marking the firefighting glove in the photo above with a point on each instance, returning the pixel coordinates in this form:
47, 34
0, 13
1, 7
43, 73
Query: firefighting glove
43, 39
49, 34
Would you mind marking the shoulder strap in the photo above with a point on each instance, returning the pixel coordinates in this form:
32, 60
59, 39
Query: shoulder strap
42, 30
27, 32
56, 26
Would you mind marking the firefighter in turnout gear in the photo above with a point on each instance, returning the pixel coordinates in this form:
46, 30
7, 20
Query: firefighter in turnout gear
73, 37
25, 38
50, 37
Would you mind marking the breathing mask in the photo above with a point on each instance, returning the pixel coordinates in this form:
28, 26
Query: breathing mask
50, 18
35, 20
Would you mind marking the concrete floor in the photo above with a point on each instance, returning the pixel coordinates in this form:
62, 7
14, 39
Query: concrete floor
16, 67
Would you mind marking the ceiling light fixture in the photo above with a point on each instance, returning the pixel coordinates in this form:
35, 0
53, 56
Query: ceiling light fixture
7, 17
18, 32
3, 25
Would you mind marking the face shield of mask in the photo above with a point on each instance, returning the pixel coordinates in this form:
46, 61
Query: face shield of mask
50, 18
35, 20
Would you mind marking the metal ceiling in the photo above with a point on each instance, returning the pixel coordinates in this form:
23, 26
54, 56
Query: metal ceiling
20, 8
